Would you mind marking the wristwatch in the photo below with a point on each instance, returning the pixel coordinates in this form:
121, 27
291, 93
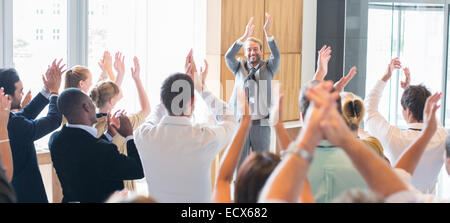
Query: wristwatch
303, 153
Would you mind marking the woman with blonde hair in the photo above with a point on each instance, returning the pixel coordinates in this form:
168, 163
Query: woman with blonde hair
353, 111
106, 95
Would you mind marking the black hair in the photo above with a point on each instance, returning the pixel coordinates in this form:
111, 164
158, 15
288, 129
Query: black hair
305, 102
174, 86
71, 101
414, 99
8, 80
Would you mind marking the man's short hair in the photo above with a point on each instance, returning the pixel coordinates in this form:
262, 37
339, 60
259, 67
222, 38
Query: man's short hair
176, 93
305, 102
71, 101
414, 99
253, 39
8, 80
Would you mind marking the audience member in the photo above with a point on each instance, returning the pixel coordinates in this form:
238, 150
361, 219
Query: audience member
177, 154
331, 172
24, 129
396, 140
106, 65
6, 166
105, 96
324, 121
90, 169
353, 113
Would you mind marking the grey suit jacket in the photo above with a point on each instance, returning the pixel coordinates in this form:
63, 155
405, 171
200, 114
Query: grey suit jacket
264, 76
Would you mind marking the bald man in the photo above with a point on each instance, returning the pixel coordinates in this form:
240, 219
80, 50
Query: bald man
90, 169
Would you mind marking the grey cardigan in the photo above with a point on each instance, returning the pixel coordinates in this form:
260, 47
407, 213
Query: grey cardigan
264, 76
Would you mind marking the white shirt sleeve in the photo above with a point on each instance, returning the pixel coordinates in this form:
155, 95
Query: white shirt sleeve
377, 125
224, 130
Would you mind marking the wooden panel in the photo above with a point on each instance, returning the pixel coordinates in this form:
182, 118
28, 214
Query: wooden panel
235, 16
287, 24
290, 78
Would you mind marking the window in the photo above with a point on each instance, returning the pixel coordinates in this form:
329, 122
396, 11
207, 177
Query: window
38, 40
407, 34
416, 33
150, 33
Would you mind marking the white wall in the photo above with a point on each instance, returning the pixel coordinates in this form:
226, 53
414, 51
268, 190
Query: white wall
309, 40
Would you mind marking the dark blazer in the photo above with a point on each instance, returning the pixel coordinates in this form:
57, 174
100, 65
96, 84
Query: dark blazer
24, 129
6, 191
91, 169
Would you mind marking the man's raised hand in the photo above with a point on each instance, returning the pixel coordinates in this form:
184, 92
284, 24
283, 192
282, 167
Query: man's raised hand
343, 82
405, 84
395, 64
249, 29
268, 25
322, 63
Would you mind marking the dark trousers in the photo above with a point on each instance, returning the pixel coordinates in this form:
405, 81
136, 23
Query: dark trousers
258, 140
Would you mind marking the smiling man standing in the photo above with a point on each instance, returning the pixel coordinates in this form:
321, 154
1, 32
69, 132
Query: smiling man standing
255, 76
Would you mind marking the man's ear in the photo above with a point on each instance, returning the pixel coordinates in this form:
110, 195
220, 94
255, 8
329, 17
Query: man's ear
86, 107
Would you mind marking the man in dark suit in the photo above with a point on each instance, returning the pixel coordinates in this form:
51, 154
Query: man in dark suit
91, 169
24, 129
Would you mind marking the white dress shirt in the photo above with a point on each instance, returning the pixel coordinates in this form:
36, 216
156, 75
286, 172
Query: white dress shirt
395, 141
177, 154
93, 131
412, 195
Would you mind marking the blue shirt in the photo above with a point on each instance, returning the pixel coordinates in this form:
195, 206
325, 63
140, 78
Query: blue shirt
331, 173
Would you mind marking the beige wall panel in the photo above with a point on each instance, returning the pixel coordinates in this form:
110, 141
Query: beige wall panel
235, 16
287, 24
290, 78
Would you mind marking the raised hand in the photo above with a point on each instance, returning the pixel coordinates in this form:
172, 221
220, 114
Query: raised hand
249, 29
5, 108
276, 113
119, 63
394, 65
322, 102
113, 123
53, 76
204, 73
125, 129
106, 65
342, 83
429, 114
190, 64
26, 100
405, 84
322, 63
268, 25
135, 73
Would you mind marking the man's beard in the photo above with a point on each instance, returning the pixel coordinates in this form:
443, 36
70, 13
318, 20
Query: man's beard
256, 61
15, 104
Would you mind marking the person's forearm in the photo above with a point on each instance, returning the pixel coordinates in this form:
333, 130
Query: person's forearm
6, 155
119, 79
143, 98
379, 176
410, 159
286, 181
234, 151
284, 140
111, 74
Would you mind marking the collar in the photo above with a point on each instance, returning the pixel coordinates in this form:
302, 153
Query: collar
99, 115
176, 120
91, 130
249, 67
415, 126
325, 144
